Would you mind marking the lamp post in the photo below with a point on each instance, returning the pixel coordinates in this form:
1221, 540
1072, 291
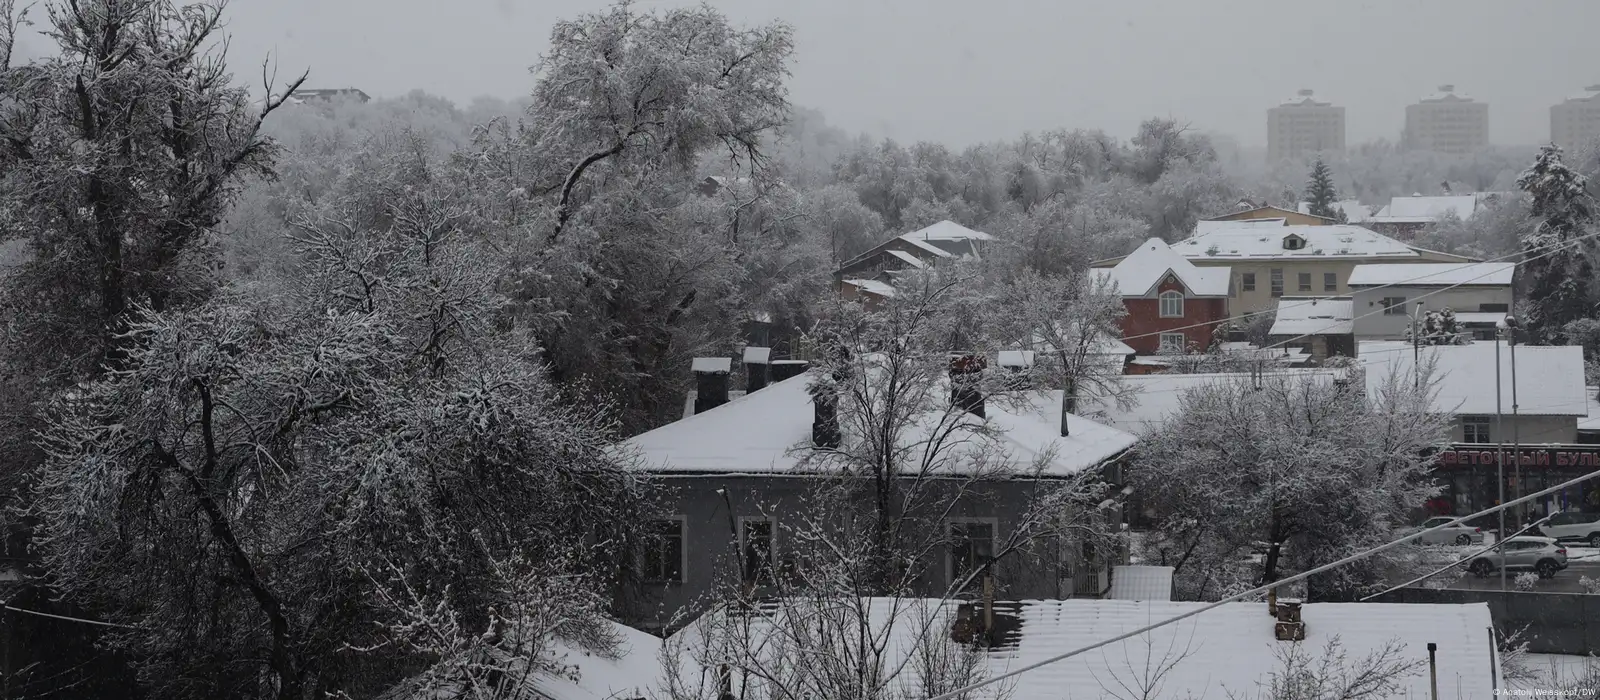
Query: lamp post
1500, 453
1516, 441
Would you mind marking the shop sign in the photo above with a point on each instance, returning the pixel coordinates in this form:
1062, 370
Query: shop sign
1551, 457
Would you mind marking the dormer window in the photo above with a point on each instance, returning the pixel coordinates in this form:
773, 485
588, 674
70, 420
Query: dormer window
1172, 304
1293, 242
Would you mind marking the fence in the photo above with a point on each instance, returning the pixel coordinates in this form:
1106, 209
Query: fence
1556, 623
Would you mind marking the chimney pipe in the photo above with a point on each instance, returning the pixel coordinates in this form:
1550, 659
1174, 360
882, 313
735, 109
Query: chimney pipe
964, 374
824, 390
788, 369
756, 362
711, 382
1433, 671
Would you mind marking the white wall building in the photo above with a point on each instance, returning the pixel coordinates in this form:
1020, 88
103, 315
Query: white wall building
1386, 296
1302, 126
1447, 122
1576, 122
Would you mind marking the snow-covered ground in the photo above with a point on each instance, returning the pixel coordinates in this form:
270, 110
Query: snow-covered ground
1551, 669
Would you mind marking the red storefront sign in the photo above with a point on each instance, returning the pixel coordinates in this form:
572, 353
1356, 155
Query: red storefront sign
1557, 457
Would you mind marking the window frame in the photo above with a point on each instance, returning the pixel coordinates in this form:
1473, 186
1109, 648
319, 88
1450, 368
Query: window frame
683, 553
1163, 346
1302, 281
1275, 281
772, 550
1330, 281
1167, 296
1398, 308
1247, 281
1481, 425
950, 544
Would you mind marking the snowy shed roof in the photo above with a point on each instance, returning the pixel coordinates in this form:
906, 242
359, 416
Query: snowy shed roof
1227, 651
1549, 378
769, 431
1433, 274
1427, 208
1313, 316
1141, 583
1141, 271
632, 671
1319, 242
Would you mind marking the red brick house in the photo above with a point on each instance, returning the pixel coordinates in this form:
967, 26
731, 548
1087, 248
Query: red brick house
1173, 305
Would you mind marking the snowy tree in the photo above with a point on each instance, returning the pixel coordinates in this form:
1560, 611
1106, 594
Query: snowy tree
1320, 192
1303, 674
1304, 468
1438, 327
1558, 267
315, 491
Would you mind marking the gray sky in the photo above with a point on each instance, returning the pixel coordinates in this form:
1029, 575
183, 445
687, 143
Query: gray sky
961, 71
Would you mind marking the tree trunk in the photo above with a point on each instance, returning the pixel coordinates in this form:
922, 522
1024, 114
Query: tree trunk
1269, 572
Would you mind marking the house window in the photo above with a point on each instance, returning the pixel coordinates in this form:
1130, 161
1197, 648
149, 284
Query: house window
1475, 429
1293, 242
1304, 281
1277, 281
663, 552
1173, 342
1171, 304
1330, 282
1394, 306
1248, 281
756, 547
971, 547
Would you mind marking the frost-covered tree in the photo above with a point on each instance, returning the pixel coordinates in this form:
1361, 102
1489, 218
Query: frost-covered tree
1320, 193
1557, 266
1438, 327
1305, 467
322, 490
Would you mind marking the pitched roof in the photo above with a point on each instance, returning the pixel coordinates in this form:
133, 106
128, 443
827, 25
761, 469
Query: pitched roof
878, 287
1321, 242
1155, 398
947, 230
1549, 378
1140, 272
633, 669
1313, 316
1427, 208
1354, 211
769, 431
1218, 653
1433, 274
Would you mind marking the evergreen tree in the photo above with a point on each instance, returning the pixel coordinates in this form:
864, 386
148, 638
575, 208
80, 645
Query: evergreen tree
1557, 266
1320, 192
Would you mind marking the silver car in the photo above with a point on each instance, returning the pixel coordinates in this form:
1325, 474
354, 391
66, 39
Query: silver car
1573, 526
1539, 554
1457, 534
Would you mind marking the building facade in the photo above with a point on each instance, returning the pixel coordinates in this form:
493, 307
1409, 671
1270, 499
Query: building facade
1386, 296
1172, 306
1302, 126
1447, 122
1575, 123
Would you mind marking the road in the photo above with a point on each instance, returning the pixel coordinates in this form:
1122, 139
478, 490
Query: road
1564, 582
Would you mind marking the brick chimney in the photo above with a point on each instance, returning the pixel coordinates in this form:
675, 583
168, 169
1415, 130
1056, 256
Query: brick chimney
964, 374
756, 362
1289, 627
711, 382
825, 412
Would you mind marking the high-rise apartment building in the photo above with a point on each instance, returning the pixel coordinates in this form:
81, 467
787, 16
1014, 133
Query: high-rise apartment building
1302, 126
1575, 123
1447, 122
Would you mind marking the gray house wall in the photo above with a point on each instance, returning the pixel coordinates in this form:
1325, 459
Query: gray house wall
711, 508
1529, 430
1378, 326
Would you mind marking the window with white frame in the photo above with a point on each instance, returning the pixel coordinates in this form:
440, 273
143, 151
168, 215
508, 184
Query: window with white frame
664, 554
1173, 342
1475, 429
1330, 282
1394, 306
756, 548
1172, 304
971, 546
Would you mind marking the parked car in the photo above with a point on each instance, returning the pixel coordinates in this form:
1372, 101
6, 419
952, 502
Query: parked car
1573, 526
1539, 554
1458, 534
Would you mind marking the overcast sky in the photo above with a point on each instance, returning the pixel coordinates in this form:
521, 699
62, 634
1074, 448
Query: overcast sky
961, 71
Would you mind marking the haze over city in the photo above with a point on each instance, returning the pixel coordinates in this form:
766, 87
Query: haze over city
959, 72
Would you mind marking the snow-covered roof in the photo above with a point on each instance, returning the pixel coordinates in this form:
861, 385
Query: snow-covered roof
1227, 651
1304, 98
1231, 649
878, 287
1549, 378
1488, 318
1204, 227
1354, 211
1014, 358
1313, 316
909, 259
1141, 271
1426, 208
947, 230
1495, 274
1155, 398
1447, 93
769, 431
1592, 421
711, 364
1334, 241
1585, 94
757, 356
1141, 583
630, 672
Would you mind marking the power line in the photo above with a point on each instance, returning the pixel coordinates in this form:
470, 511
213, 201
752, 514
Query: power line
1255, 591
8, 606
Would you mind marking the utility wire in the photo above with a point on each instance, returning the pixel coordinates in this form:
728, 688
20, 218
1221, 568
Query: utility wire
959, 692
8, 606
